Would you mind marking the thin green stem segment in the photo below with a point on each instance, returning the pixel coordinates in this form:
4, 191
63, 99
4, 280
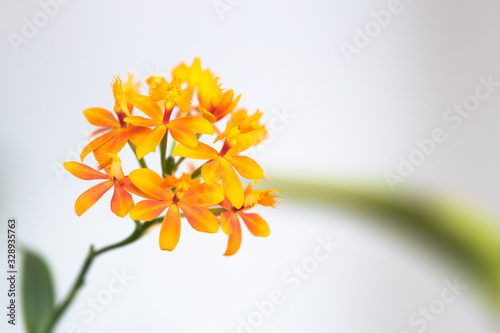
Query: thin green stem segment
163, 153
141, 161
139, 231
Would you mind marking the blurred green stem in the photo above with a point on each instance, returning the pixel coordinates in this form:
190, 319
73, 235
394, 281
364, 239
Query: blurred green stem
141, 161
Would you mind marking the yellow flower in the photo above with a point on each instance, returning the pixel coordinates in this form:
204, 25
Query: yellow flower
222, 165
121, 202
182, 129
114, 129
230, 223
191, 202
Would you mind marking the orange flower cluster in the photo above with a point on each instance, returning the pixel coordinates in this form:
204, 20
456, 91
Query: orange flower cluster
218, 198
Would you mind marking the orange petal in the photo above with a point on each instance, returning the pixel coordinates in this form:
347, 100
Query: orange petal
203, 195
234, 240
100, 117
201, 219
201, 152
246, 167
150, 142
256, 224
97, 142
210, 171
148, 210
141, 121
207, 115
184, 100
88, 198
195, 124
183, 135
151, 183
148, 106
170, 229
225, 219
137, 133
122, 202
83, 172
243, 142
232, 184
119, 142
127, 185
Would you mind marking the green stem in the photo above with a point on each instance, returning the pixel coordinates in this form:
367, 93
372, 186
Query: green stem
92, 254
141, 161
139, 231
163, 153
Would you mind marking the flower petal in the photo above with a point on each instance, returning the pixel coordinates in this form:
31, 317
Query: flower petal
122, 202
88, 198
225, 219
100, 117
148, 106
137, 133
211, 172
195, 124
234, 240
201, 219
183, 135
141, 121
150, 142
151, 183
148, 210
119, 142
201, 152
97, 142
232, 184
170, 229
128, 186
203, 195
83, 171
256, 224
246, 166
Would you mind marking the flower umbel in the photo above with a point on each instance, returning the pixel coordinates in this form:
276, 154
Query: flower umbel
187, 107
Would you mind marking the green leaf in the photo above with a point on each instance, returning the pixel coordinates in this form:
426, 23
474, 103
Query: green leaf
37, 291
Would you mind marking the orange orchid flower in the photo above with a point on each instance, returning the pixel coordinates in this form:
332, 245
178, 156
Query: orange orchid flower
222, 165
121, 202
182, 129
190, 198
193, 75
230, 223
214, 102
115, 129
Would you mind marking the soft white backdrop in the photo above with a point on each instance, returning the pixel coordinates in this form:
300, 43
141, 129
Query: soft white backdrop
352, 119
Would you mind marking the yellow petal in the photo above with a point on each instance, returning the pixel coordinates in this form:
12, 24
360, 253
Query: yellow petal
128, 186
201, 219
246, 167
211, 172
88, 198
137, 133
195, 124
234, 240
141, 121
148, 106
207, 115
84, 172
256, 224
100, 117
148, 210
232, 184
203, 195
151, 183
122, 202
201, 152
150, 142
170, 229
183, 135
